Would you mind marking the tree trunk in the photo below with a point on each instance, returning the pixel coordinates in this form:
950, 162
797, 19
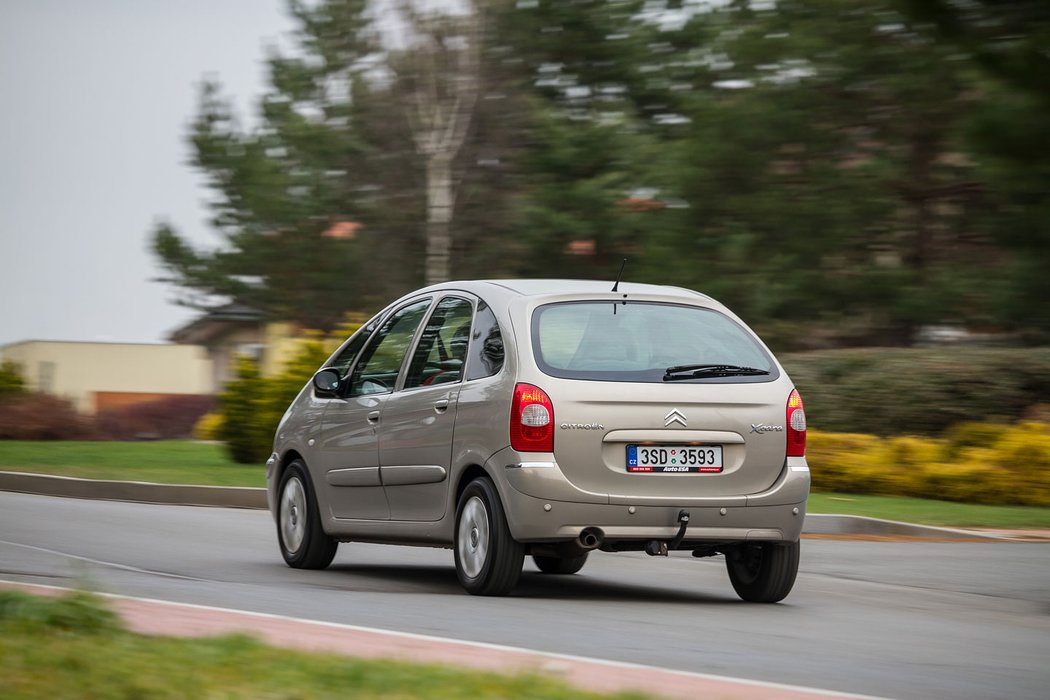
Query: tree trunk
439, 216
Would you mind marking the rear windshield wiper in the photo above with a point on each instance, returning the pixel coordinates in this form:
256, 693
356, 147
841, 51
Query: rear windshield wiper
679, 372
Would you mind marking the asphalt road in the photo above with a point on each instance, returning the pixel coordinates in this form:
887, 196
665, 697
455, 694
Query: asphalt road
905, 620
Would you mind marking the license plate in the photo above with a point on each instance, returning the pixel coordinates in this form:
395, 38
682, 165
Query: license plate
686, 459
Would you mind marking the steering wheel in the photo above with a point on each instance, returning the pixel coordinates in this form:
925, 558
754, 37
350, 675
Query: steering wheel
374, 386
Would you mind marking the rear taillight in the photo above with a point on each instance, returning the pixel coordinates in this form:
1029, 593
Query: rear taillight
531, 420
796, 426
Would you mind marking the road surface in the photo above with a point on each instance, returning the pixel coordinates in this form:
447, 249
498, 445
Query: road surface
905, 620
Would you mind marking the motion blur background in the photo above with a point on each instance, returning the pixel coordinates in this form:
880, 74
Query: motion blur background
838, 173
249, 181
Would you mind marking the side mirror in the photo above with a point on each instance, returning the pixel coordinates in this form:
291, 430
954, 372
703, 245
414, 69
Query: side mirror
327, 381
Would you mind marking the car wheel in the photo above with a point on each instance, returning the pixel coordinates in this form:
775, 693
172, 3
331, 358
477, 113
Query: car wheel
304, 544
488, 559
763, 572
560, 565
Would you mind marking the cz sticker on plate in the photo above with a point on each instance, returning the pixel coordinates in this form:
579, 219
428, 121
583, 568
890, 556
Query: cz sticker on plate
686, 459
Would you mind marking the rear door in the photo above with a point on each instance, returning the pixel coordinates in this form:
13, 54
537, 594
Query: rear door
628, 427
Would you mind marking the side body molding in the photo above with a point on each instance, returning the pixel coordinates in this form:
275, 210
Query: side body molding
356, 476
413, 474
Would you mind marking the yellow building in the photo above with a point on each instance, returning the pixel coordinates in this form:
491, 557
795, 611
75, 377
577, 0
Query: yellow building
97, 376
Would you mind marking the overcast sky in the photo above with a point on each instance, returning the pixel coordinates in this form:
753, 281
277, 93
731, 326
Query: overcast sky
95, 100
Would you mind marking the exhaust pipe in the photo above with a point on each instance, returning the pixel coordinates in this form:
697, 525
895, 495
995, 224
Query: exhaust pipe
590, 538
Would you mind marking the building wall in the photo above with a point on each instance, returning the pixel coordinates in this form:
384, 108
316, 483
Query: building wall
77, 371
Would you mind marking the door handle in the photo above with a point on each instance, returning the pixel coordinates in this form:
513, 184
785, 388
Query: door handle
373, 417
441, 405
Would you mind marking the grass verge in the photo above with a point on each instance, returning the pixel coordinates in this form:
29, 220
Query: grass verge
75, 647
930, 512
163, 461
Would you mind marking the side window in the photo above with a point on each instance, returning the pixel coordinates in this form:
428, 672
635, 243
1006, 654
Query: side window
376, 371
486, 348
442, 348
346, 356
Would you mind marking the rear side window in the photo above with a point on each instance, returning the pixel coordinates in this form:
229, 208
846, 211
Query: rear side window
640, 341
486, 345
442, 348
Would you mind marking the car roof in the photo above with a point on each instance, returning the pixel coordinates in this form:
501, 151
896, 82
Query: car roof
550, 287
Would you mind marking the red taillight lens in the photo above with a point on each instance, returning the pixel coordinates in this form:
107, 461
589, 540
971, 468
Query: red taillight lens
531, 420
796, 426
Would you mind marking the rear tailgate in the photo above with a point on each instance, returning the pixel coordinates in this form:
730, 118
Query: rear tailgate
596, 422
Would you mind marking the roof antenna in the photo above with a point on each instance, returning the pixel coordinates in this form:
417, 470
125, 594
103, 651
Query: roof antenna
616, 285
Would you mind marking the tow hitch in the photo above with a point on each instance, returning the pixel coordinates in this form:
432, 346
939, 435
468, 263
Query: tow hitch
659, 548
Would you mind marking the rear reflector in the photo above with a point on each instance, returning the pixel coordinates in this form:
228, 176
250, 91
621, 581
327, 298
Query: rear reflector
531, 420
796, 426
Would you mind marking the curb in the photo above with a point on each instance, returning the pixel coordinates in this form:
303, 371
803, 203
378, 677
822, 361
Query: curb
137, 491
862, 526
255, 498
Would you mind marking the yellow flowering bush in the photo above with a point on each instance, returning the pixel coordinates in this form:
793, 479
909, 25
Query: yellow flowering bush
972, 462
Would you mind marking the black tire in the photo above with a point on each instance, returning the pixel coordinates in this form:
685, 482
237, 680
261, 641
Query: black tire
763, 572
560, 565
488, 559
303, 542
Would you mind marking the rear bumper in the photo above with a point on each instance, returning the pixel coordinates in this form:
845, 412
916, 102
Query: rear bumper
543, 506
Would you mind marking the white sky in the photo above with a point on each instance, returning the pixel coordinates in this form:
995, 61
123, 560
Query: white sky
95, 101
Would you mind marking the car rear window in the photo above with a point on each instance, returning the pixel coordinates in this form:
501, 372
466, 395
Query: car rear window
639, 341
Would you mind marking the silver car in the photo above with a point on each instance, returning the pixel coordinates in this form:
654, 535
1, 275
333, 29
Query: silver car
548, 418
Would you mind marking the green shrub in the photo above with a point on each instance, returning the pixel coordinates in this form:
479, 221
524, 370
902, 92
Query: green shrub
11, 381
918, 391
252, 405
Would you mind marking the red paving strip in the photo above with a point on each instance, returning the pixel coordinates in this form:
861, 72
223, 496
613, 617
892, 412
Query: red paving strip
155, 617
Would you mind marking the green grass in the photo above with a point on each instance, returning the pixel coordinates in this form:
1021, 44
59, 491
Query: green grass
929, 512
185, 462
163, 461
73, 647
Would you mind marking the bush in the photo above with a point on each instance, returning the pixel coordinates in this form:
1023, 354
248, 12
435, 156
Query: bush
243, 419
208, 427
918, 391
42, 417
11, 381
162, 419
252, 405
973, 463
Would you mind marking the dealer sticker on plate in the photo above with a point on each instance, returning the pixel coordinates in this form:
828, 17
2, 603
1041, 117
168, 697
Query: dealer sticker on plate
692, 459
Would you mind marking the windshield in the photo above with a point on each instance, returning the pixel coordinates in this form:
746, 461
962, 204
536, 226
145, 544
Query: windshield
643, 341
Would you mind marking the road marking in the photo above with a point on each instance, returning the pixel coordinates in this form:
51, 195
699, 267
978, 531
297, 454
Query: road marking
110, 564
450, 641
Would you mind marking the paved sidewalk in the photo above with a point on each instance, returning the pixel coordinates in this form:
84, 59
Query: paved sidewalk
180, 620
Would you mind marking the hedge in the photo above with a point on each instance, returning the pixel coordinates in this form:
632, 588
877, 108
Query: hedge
972, 463
918, 391
34, 416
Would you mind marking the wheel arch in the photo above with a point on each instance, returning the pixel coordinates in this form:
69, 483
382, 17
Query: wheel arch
281, 467
287, 458
469, 473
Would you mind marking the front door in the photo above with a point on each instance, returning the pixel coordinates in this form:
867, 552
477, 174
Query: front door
349, 440
415, 434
